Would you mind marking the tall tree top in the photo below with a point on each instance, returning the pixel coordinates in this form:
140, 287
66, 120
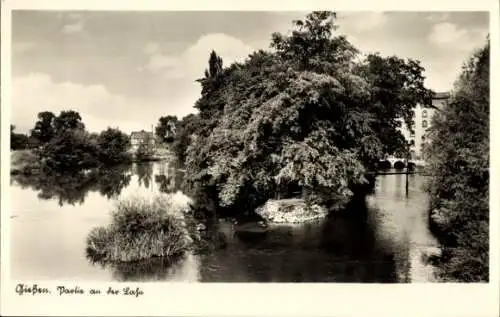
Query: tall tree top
311, 45
214, 64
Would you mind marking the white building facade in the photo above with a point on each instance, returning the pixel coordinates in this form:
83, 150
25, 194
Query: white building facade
422, 122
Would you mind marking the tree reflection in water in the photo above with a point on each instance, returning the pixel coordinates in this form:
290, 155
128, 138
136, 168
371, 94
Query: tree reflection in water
316, 252
170, 180
163, 183
341, 248
72, 187
144, 173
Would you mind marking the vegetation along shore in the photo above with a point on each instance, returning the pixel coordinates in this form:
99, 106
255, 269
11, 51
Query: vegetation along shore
291, 134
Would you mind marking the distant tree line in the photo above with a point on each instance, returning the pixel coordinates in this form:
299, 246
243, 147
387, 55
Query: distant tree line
18, 141
63, 143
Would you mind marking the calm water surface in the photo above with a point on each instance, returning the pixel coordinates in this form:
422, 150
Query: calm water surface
52, 216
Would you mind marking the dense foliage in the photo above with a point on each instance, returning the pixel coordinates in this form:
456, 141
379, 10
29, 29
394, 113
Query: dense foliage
166, 128
70, 150
458, 157
187, 127
309, 115
43, 131
63, 144
113, 145
18, 141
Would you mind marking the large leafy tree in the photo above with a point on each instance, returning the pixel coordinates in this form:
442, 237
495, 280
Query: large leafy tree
49, 125
167, 128
70, 150
458, 157
65, 145
68, 120
113, 145
44, 131
396, 86
306, 115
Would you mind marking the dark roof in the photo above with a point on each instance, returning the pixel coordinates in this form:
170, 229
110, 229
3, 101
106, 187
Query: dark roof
140, 134
441, 95
437, 96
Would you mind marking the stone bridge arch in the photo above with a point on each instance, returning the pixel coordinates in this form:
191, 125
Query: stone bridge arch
396, 162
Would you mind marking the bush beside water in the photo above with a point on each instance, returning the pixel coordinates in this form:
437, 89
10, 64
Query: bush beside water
141, 229
24, 162
458, 160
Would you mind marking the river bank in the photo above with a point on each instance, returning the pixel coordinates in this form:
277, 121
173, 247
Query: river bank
27, 162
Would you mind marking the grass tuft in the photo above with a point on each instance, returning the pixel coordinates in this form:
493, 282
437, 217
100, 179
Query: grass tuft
144, 228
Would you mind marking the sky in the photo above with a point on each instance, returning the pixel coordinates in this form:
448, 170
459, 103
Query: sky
126, 69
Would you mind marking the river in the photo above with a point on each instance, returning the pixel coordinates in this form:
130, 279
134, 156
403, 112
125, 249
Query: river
51, 217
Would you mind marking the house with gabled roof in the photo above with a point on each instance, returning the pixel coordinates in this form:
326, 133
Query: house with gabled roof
138, 138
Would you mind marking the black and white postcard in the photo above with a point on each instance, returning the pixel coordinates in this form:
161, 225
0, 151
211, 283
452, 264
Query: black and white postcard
221, 158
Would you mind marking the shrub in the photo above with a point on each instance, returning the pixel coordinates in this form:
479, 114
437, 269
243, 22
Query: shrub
24, 162
113, 146
70, 150
142, 229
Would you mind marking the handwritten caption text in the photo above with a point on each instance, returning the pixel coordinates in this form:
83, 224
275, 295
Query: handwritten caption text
23, 289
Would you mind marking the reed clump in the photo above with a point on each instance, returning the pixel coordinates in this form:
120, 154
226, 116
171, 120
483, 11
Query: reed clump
144, 228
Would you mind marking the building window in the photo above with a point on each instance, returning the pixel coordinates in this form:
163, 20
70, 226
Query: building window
424, 123
424, 114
